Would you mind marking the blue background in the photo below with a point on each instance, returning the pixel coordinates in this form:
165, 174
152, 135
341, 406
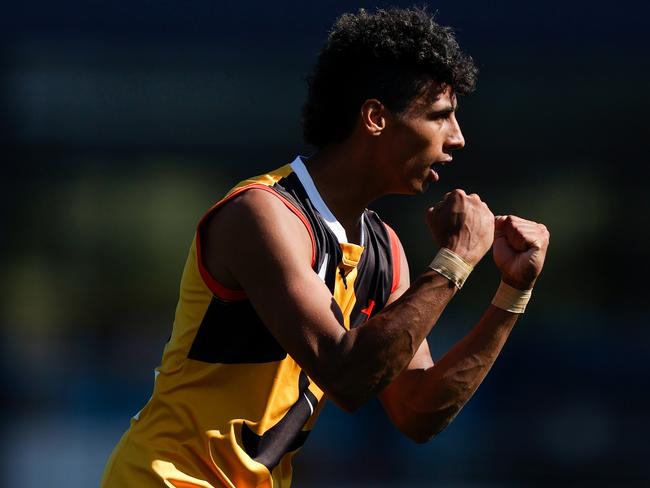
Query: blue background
121, 122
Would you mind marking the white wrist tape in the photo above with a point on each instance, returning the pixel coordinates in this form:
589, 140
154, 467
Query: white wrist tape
451, 266
511, 299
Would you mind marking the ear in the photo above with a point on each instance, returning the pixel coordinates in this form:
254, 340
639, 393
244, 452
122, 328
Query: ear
373, 117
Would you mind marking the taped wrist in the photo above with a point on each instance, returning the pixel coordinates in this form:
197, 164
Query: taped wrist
451, 266
511, 299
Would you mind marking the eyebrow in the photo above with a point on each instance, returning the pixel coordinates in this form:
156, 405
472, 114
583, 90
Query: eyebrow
445, 110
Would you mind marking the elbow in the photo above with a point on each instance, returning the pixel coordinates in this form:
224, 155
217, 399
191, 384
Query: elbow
350, 395
346, 401
424, 435
421, 428
347, 405
421, 438
350, 383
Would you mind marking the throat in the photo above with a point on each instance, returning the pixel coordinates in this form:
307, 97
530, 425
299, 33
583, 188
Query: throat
339, 204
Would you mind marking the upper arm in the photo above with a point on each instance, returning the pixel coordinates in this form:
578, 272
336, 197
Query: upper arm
257, 244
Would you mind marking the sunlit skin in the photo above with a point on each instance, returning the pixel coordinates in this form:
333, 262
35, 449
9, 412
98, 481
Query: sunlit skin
388, 153
256, 244
424, 135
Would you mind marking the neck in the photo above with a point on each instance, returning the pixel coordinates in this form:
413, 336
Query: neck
343, 176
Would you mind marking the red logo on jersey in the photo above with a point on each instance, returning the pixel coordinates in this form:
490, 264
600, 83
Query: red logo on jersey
368, 309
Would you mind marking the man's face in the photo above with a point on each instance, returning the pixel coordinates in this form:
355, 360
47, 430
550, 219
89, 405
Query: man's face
423, 135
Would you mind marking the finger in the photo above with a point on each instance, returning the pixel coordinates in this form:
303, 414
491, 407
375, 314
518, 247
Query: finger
520, 233
499, 221
517, 232
516, 239
520, 220
455, 192
531, 237
513, 220
434, 208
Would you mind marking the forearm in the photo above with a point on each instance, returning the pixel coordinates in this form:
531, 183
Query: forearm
372, 355
434, 396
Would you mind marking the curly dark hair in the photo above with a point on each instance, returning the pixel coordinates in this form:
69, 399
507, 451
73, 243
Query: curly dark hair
390, 55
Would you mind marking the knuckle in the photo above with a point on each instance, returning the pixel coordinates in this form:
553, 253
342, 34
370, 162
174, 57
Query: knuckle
543, 230
452, 195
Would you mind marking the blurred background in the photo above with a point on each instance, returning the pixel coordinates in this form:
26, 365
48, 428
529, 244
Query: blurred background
121, 122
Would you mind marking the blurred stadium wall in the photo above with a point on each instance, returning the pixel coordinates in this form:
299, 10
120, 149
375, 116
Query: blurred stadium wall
121, 122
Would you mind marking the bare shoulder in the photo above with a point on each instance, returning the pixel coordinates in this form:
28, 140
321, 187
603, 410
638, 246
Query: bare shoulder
253, 227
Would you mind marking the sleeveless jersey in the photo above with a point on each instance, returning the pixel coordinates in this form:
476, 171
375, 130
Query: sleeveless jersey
230, 407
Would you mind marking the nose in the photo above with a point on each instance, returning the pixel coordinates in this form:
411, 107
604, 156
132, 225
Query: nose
455, 139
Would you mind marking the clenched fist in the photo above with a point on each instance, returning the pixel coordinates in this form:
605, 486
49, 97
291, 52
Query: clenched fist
519, 250
463, 224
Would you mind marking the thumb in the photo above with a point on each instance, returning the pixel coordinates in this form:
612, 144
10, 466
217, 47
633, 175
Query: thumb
499, 222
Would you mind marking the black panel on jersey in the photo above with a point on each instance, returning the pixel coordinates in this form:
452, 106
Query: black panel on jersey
375, 272
233, 333
285, 436
338, 313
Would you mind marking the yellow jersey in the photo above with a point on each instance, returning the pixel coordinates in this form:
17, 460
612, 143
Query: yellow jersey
229, 406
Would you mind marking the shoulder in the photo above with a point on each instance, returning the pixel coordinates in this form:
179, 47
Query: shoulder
257, 204
259, 214
252, 228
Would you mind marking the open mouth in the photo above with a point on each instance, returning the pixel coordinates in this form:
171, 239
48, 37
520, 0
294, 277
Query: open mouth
433, 173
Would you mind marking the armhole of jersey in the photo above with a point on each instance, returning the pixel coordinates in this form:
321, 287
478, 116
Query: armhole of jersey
217, 288
395, 256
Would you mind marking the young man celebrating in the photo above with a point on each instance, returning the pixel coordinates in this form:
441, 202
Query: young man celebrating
294, 291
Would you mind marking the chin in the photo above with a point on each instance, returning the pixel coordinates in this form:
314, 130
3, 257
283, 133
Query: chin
415, 190
423, 187
413, 187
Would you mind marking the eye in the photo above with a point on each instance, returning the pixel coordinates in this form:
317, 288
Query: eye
440, 115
